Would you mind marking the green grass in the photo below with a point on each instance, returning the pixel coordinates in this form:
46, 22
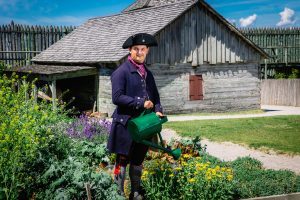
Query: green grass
244, 112
280, 133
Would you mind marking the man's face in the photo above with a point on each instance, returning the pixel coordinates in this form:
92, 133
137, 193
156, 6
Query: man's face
138, 53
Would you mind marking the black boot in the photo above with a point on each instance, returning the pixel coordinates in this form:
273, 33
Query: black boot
135, 174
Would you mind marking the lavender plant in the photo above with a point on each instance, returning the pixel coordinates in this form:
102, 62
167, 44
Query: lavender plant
89, 128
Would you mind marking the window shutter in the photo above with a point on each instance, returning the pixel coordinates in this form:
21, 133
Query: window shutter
196, 87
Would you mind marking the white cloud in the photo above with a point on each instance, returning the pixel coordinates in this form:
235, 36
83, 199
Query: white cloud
287, 17
248, 20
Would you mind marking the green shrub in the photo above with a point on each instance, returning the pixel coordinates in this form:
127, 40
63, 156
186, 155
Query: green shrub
254, 181
24, 128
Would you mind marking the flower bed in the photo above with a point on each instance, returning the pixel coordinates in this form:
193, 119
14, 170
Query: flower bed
197, 175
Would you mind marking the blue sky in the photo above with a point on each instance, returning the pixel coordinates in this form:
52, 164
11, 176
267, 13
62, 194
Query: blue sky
243, 13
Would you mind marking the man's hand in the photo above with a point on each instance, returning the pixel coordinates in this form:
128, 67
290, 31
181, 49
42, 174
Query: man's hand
148, 104
159, 114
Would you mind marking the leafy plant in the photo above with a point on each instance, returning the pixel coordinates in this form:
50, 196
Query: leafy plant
68, 180
24, 128
254, 181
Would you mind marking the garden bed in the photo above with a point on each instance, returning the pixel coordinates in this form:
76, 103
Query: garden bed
47, 155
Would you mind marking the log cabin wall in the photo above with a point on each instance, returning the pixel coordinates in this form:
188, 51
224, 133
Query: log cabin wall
226, 87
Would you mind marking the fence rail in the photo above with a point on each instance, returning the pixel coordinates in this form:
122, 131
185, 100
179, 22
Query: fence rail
280, 92
19, 43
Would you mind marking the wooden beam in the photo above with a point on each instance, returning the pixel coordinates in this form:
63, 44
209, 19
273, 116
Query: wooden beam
97, 90
53, 91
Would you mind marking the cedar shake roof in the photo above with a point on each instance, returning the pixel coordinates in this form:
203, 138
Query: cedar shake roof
139, 4
100, 39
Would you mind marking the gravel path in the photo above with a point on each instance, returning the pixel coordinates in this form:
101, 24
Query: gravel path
228, 151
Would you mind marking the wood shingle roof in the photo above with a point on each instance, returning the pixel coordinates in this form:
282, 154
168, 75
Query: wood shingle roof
100, 39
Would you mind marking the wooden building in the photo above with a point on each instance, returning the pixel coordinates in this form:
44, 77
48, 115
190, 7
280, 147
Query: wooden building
202, 62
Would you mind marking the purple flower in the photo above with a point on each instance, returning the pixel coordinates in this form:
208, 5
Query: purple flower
84, 127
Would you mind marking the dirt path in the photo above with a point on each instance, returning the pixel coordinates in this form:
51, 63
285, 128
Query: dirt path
228, 151
269, 111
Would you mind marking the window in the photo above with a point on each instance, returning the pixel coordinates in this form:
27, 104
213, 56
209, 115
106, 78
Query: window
196, 87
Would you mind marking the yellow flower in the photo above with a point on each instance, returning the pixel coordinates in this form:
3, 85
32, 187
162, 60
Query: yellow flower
230, 177
171, 175
192, 180
184, 164
214, 172
178, 168
187, 156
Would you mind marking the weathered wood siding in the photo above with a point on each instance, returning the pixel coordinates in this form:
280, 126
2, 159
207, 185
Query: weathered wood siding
198, 37
281, 92
226, 88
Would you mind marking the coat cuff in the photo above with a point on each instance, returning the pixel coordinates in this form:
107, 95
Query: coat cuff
139, 102
158, 108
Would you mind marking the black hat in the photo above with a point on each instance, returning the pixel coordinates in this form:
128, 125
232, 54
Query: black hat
140, 39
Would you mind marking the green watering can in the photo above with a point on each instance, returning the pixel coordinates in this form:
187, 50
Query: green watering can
147, 125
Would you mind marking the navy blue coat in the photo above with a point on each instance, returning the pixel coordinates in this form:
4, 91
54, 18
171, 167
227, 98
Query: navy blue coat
129, 92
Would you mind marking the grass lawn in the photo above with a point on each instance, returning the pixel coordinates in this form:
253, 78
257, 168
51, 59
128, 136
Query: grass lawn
280, 133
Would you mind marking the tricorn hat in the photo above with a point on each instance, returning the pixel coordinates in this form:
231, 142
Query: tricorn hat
140, 39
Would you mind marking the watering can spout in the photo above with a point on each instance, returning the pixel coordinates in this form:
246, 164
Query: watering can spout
176, 153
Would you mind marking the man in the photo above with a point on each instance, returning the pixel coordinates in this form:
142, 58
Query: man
133, 91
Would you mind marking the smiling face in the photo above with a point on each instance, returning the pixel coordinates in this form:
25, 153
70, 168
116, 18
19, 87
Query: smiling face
138, 53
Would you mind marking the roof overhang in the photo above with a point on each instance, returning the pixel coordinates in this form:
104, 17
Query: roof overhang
53, 72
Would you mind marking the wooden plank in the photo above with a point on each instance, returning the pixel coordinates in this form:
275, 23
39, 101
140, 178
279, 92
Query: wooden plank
200, 34
194, 38
182, 40
167, 42
178, 41
205, 36
172, 43
232, 49
189, 36
219, 42
209, 37
223, 43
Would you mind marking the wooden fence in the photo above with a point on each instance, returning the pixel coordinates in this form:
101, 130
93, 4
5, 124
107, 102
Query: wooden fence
280, 92
282, 44
19, 43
